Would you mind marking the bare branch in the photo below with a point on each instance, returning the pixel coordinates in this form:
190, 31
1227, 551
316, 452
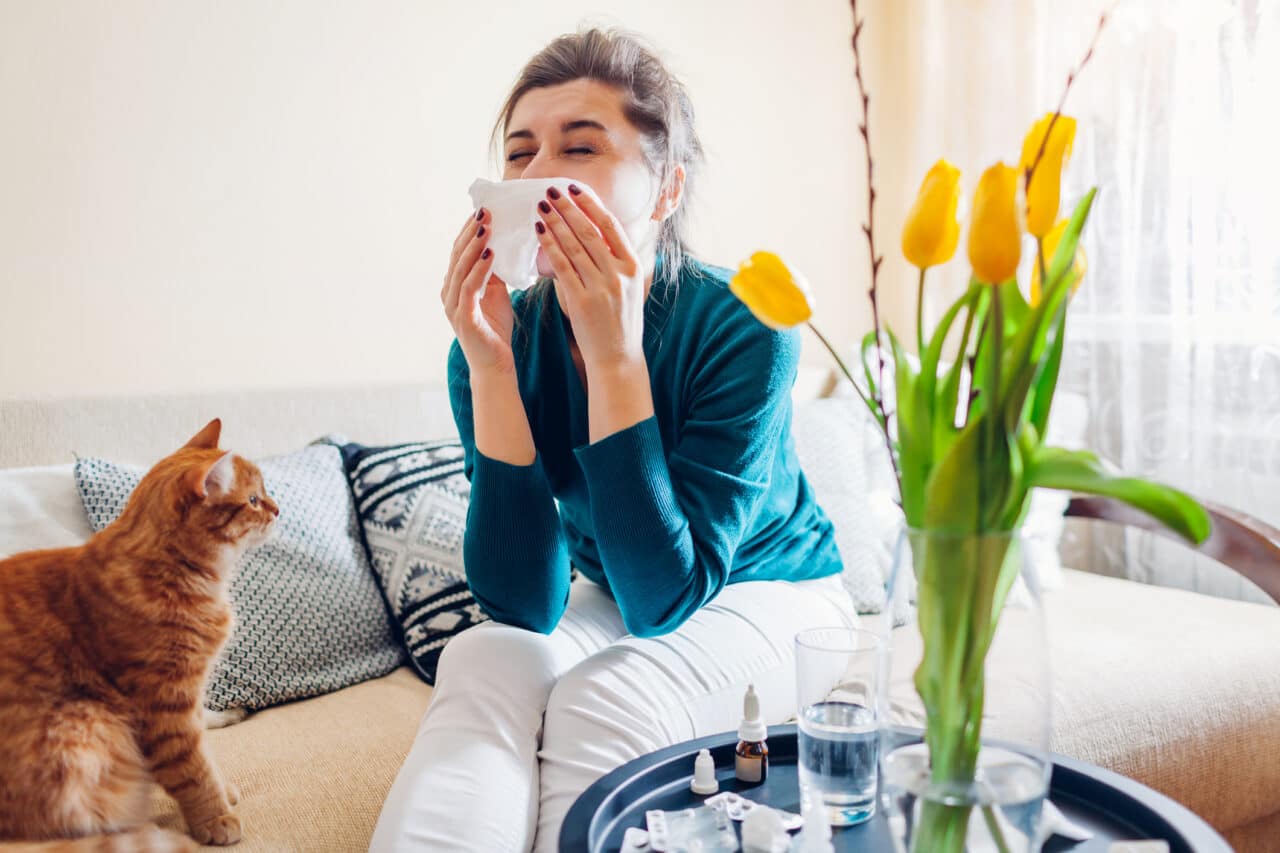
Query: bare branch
1062, 102
869, 229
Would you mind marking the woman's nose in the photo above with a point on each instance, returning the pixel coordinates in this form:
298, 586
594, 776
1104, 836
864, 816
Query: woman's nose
538, 167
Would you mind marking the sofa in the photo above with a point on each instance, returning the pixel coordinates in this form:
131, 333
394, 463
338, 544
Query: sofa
1175, 689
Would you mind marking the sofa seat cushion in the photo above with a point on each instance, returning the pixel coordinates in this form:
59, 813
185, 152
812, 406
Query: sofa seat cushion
313, 774
1257, 837
1177, 690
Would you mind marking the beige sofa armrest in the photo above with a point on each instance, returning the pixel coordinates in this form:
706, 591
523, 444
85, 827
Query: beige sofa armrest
1242, 543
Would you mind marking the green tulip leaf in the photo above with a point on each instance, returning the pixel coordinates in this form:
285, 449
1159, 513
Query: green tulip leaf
1082, 471
1064, 255
865, 351
1046, 381
950, 396
913, 433
930, 409
968, 489
1016, 309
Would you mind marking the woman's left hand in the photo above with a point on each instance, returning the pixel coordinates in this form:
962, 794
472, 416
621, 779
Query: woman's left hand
599, 276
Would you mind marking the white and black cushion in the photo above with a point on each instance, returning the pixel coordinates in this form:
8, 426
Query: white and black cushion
412, 501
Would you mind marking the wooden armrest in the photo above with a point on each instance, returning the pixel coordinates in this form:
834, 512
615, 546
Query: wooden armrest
1240, 542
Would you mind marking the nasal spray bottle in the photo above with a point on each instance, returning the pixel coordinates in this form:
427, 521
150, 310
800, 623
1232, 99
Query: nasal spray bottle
751, 760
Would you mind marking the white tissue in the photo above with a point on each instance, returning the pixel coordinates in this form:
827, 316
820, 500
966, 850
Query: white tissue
513, 206
762, 832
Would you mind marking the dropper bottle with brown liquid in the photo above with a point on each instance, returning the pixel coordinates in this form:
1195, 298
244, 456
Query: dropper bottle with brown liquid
751, 759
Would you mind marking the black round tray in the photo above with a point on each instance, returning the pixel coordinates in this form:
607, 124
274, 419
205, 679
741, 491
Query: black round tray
1112, 807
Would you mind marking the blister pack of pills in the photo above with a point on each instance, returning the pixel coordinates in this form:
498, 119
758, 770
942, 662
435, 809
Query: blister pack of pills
738, 807
705, 829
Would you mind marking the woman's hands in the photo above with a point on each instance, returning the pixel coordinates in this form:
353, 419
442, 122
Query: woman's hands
598, 276
603, 288
482, 322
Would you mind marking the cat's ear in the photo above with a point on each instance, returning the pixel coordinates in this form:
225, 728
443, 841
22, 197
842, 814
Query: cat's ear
207, 438
213, 478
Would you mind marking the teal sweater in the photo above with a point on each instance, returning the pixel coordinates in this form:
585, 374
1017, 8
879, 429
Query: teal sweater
664, 513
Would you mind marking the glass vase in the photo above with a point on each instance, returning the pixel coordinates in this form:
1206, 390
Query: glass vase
964, 753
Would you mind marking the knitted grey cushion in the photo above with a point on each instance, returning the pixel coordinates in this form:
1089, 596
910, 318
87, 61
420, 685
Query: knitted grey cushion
844, 459
309, 617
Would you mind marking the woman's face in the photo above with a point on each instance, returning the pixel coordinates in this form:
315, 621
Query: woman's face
578, 130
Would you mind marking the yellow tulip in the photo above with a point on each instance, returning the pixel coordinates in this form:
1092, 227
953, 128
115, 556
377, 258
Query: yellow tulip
932, 232
1042, 195
778, 297
995, 243
1078, 266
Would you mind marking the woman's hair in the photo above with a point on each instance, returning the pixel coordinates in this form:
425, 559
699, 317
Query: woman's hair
654, 101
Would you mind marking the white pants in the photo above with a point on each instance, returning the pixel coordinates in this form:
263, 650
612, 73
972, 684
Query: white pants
592, 697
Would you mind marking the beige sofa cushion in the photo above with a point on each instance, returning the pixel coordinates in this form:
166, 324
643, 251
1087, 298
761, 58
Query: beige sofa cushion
313, 774
1257, 837
1178, 690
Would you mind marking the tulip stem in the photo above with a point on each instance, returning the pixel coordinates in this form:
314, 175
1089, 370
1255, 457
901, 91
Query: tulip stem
920, 313
994, 424
1044, 276
962, 355
884, 424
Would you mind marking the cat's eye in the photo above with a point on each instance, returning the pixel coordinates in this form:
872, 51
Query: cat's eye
253, 500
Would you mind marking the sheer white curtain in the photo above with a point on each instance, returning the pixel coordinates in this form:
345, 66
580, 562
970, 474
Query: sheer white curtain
1175, 336
1174, 340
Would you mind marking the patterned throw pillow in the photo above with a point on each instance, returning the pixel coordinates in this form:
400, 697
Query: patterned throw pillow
412, 500
308, 615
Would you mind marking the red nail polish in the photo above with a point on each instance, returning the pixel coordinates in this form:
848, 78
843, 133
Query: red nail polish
480, 233
479, 214
484, 256
544, 207
542, 229
553, 193
573, 188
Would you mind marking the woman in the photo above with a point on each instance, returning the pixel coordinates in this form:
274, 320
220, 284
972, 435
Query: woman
631, 386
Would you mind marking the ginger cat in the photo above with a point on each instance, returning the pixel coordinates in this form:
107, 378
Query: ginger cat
104, 653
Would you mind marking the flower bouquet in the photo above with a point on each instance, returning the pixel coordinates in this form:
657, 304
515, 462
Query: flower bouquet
966, 440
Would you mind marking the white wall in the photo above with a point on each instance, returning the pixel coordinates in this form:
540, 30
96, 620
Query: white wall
206, 196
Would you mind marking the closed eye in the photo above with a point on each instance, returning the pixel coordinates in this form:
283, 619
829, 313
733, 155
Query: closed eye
578, 150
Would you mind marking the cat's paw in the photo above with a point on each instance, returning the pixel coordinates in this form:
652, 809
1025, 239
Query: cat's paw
233, 793
222, 719
221, 830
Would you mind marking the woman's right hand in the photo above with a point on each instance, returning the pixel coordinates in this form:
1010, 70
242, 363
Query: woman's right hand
482, 322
